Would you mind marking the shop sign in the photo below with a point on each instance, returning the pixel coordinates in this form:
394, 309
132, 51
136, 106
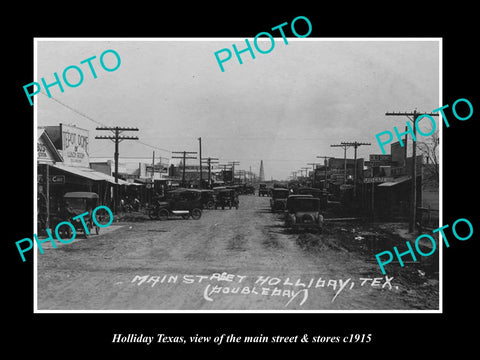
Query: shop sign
56, 179
75, 146
52, 179
380, 179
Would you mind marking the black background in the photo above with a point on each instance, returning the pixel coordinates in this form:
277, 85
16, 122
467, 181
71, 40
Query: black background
58, 335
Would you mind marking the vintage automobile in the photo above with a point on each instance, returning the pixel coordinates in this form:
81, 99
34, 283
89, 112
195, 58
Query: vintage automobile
249, 190
226, 197
303, 212
279, 199
262, 190
180, 202
318, 193
76, 203
208, 198
324, 196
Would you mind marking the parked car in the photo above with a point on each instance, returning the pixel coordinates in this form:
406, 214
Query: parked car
249, 190
226, 197
262, 190
208, 199
318, 193
76, 203
324, 196
279, 199
180, 202
303, 212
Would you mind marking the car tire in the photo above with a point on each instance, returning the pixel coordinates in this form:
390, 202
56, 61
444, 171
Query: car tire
162, 214
152, 214
196, 214
210, 205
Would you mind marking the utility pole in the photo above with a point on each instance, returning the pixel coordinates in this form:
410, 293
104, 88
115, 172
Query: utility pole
325, 165
355, 145
200, 157
412, 116
306, 171
345, 147
224, 170
313, 168
153, 165
184, 157
116, 138
210, 161
233, 163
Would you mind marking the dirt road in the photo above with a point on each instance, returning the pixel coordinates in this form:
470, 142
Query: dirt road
228, 260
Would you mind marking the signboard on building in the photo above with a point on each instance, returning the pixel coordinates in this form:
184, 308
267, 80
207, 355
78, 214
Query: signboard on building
74, 145
380, 157
379, 160
377, 180
52, 179
43, 155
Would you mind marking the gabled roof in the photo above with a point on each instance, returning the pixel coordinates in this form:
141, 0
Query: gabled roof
57, 157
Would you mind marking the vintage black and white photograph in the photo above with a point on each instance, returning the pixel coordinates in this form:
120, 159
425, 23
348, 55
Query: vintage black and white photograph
209, 175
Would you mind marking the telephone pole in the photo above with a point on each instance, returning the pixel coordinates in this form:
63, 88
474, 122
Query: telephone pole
116, 138
412, 116
210, 161
233, 163
355, 145
184, 157
344, 147
313, 167
325, 165
225, 170
306, 172
200, 157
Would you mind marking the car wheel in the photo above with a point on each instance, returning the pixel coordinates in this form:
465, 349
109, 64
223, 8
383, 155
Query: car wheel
196, 214
163, 214
210, 205
152, 213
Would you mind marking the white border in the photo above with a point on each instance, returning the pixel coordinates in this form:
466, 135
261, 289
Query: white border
332, 39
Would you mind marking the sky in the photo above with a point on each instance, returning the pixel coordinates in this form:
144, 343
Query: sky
285, 107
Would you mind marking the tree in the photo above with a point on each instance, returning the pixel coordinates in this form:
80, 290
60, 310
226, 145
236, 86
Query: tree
430, 150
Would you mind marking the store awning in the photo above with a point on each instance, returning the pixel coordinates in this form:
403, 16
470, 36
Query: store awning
89, 174
396, 181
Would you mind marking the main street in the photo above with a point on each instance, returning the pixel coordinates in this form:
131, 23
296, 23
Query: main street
228, 260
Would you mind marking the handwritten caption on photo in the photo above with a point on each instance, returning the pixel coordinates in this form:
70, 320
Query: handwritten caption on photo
223, 284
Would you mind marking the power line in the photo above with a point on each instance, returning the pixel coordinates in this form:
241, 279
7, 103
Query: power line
74, 110
98, 122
